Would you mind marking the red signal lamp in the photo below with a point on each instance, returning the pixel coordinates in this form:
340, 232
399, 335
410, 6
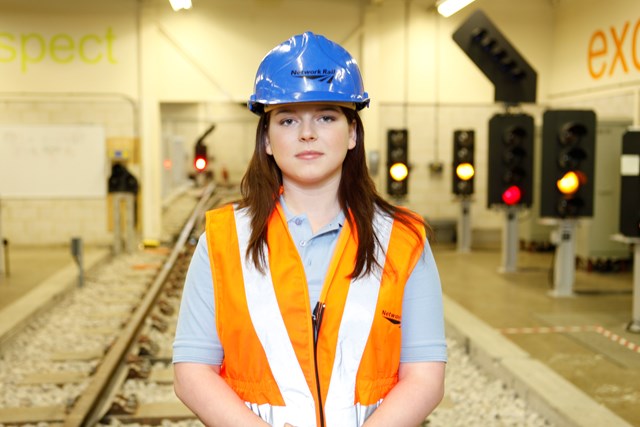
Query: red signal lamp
512, 195
201, 163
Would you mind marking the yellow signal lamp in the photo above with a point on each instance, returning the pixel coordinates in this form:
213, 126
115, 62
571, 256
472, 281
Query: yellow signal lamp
569, 183
465, 171
399, 171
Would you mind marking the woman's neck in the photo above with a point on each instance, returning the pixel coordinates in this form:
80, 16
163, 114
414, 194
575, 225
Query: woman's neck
321, 205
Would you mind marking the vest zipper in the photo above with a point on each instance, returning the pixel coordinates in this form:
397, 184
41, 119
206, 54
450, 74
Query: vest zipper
316, 318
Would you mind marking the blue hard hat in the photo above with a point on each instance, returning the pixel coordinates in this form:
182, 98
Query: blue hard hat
307, 68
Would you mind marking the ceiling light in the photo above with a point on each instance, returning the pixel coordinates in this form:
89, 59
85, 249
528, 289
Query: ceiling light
180, 4
447, 8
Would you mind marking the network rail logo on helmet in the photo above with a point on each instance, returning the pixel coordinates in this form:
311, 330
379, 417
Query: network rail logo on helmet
324, 75
307, 68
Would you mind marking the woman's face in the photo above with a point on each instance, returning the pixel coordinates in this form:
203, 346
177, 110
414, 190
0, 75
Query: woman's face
309, 142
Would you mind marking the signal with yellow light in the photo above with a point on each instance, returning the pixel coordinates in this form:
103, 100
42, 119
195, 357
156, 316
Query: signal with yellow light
568, 163
397, 162
463, 162
510, 160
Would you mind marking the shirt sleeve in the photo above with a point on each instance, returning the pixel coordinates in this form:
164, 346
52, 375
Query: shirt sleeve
423, 338
196, 338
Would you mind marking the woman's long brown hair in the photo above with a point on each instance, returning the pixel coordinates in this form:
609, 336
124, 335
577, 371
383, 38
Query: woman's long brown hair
260, 190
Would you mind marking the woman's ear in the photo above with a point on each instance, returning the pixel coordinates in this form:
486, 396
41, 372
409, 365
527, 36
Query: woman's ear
353, 134
267, 146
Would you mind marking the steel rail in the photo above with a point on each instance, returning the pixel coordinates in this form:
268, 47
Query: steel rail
83, 413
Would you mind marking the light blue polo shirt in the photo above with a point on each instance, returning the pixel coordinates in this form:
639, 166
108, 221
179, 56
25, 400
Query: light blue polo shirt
423, 337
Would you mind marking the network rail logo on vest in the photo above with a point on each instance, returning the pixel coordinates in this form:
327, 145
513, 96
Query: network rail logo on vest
323, 75
392, 317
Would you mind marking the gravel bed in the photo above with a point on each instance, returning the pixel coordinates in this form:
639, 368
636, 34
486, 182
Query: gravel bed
473, 399
70, 327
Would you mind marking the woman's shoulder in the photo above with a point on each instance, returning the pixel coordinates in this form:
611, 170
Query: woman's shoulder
408, 223
222, 213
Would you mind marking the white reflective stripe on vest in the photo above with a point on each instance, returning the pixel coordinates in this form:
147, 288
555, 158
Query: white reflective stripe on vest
272, 333
352, 338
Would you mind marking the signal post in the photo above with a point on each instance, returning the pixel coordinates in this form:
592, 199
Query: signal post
510, 134
463, 183
567, 180
630, 213
510, 176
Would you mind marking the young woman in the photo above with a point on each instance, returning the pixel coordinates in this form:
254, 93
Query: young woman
312, 301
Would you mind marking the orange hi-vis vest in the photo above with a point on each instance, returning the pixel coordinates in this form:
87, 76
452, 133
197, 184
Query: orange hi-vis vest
330, 370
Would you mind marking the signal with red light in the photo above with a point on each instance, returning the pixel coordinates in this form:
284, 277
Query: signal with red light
510, 160
200, 160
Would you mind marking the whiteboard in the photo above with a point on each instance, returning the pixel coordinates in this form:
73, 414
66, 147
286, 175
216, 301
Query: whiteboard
52, 161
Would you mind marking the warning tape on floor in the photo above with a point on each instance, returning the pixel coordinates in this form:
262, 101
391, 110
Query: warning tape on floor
585, 328
550, 329
617, 338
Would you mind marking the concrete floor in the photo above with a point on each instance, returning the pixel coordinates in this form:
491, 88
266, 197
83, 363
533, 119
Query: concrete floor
585, 348
28, 267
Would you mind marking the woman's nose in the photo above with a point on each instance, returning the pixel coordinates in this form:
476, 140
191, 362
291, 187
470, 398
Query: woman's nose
307, 132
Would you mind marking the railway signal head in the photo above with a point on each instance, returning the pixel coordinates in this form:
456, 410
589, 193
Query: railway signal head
510, 160
568, 163
397, 162
630, 185
200, 159
463, 162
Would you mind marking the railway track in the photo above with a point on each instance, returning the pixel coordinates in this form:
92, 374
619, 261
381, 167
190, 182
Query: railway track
111, 353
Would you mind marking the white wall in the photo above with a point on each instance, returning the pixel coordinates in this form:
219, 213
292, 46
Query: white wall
211, 52
68, 47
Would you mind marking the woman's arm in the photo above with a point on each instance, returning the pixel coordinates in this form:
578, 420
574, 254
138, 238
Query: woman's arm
419, 389
202, 390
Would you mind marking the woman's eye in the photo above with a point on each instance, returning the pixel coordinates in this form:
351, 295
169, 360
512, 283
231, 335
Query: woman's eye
286, 122
327, 118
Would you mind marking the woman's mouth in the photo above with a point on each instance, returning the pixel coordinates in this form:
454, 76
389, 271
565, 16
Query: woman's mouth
309, 155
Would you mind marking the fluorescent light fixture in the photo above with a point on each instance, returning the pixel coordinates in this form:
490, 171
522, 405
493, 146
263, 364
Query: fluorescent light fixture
447, 8
180, 4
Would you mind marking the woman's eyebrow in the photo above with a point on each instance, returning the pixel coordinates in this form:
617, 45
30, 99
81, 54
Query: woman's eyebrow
283, 111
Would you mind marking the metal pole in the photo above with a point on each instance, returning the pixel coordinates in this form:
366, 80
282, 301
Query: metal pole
464, 226
634, 326
564, 266
76, 251
116, 198
3, 267
5, 246
129, 227
510, 241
